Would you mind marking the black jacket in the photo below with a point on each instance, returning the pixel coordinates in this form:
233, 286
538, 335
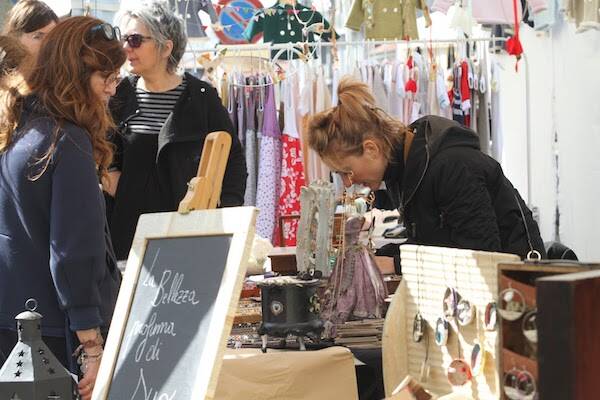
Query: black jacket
176, 154
54, 244
453, 195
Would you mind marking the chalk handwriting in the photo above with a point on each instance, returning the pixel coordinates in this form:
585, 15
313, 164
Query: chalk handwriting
169, 290
151, 332
149, 281
168, 293
148, 393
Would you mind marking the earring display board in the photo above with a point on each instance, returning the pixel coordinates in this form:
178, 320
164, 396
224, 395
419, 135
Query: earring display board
518, 342
430, 275
176, 305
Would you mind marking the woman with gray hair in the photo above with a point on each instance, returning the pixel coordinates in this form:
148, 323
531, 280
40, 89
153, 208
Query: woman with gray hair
162, 120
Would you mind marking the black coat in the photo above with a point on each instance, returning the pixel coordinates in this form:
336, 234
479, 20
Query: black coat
453, 195
176, 155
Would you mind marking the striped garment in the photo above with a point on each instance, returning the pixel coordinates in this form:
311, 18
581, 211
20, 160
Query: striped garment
154, 108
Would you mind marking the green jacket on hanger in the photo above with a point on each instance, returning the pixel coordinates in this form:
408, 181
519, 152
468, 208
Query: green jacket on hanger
285, 24
386, 19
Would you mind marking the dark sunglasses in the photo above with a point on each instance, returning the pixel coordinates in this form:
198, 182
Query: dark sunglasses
135, 40
108, 31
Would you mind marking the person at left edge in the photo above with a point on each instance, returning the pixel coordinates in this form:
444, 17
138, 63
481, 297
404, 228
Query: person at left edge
163, 119
54, 242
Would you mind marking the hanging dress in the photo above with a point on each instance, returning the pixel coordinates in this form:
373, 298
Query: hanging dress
232, 103
292, 168
242, 101
250, 144
322, 101
269, 168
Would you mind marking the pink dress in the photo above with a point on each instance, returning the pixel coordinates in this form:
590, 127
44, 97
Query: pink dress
355, 289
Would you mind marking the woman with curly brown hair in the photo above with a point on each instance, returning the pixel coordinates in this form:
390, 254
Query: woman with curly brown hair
53, 241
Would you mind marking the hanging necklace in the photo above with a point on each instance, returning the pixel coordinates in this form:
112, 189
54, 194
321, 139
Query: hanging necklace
419, 323
459, 371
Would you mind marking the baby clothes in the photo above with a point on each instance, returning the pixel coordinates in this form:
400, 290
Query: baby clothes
189, 11
286, 24
587, 14
496, 12
538, 5
441, 91
442, 5
545, 20
386, 19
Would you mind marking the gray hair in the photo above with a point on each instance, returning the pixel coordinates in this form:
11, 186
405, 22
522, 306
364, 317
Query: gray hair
163, 25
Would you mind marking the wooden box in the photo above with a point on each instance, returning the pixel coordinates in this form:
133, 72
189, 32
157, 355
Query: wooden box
517, 352
283, 260
568, 324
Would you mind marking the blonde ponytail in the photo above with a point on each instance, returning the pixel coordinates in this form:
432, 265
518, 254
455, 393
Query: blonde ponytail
341, 130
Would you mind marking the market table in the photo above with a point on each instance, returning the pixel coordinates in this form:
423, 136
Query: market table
325, 374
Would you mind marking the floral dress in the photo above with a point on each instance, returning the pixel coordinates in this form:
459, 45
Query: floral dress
292, 167
269, 168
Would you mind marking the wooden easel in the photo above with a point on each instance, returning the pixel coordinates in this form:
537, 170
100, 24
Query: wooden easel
204, 190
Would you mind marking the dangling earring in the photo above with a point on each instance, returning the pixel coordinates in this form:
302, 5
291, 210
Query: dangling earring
350, 176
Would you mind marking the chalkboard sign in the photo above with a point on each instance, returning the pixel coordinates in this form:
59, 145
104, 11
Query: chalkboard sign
180, 292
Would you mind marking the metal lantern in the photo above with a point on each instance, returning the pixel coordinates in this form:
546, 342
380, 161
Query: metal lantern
31, 371
290, 306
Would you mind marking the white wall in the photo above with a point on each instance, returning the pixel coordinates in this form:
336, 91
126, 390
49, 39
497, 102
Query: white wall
564, 79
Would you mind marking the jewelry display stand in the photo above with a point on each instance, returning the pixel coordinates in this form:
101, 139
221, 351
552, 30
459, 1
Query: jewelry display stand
428, 273
315, 228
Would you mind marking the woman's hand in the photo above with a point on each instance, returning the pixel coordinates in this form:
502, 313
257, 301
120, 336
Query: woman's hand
90, 367
91, 354
111, 182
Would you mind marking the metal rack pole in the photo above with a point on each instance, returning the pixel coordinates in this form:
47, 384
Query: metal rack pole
284, 46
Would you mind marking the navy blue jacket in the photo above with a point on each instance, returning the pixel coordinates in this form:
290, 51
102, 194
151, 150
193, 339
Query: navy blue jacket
53, 240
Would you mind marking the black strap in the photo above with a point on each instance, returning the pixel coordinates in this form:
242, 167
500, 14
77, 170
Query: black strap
532, 251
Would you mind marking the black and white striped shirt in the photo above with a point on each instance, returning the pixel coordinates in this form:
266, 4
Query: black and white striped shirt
154, 108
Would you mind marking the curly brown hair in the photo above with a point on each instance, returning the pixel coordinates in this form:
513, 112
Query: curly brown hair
69, 56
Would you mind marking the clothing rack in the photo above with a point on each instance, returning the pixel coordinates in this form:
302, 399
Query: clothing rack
284, 46
294, 46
